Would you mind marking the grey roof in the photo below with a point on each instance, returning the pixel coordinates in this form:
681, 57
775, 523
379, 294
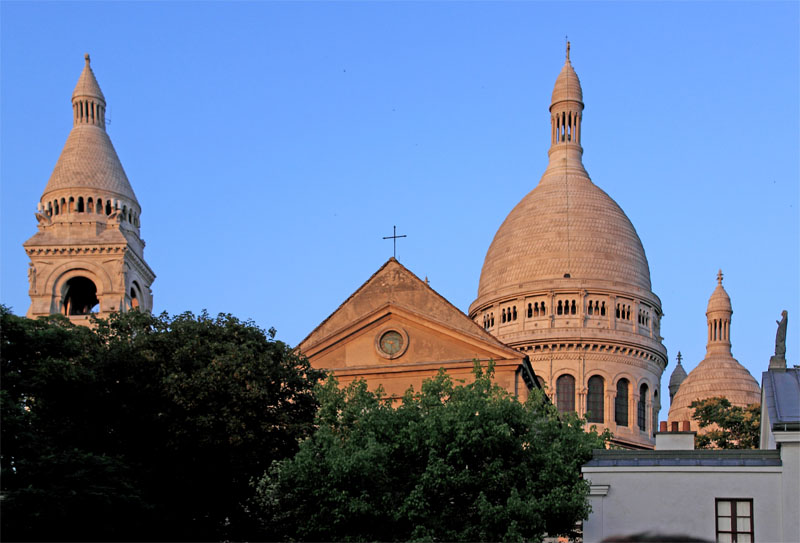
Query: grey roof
782, 398
730, 457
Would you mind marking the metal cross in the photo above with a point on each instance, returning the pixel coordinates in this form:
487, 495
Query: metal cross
394, 237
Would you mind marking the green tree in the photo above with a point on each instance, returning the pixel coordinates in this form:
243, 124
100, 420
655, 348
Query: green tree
453, 462
727, 426
144, 427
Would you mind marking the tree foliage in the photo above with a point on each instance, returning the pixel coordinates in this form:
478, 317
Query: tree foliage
726, 426
144, 427
453, 462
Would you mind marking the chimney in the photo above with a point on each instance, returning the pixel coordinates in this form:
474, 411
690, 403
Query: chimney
675, 440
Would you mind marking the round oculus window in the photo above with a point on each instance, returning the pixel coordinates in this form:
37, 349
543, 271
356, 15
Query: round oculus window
392, 343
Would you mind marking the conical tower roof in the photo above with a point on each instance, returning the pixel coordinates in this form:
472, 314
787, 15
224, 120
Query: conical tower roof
88, 159
87, 85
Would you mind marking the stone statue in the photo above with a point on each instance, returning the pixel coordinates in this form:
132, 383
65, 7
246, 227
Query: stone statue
780, 335
32, 277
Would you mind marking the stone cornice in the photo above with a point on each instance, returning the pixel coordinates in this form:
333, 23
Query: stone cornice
89, 249
563, 350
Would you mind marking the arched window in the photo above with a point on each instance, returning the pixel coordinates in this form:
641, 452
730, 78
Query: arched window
80, 296
572, 309
621, 403
565, 394
594, 399
641, 408
603, 309
108, 207
514, 313
71, 207
590, 309
80, 204
90, 205
542, 310
530, 311
560, 309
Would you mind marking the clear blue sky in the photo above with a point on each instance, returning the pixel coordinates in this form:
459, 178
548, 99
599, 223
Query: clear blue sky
272, 145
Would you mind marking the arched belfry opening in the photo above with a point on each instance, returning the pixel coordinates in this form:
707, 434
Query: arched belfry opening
80, 297
134, 296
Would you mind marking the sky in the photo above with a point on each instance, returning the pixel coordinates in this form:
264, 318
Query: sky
273, 145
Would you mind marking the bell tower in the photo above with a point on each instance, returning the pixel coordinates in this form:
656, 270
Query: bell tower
87, 256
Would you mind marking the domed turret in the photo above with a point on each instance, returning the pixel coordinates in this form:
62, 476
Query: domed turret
719, 374
566, 279
678, 376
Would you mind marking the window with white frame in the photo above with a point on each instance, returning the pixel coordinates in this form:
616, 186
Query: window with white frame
734, 520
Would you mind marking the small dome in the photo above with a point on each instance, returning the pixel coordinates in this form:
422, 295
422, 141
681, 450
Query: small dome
717, 375
719, 300
678, 375
568, 86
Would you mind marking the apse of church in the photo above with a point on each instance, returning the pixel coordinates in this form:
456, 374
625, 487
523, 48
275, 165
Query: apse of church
566, 282
87, 256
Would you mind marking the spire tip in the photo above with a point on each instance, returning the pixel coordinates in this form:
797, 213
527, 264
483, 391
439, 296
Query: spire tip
88, 60
719, 277
567, 50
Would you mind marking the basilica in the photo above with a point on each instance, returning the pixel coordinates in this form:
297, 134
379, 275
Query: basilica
564, 301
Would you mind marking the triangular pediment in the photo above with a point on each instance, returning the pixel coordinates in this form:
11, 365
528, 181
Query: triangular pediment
432, 330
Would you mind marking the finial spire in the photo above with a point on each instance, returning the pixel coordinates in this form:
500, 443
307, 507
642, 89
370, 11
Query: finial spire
680, 357
719, 277
88, 60
567, 50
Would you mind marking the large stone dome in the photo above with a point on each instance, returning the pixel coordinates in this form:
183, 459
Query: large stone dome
566, 227
566, 281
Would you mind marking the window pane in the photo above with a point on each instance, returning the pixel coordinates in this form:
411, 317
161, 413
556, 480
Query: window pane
743, 524
565, 393
724, 538
744, 538
621, 403
724, 524
594, 399
724, 508
742, 509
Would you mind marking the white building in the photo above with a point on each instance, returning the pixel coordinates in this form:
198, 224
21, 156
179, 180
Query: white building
737, 496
